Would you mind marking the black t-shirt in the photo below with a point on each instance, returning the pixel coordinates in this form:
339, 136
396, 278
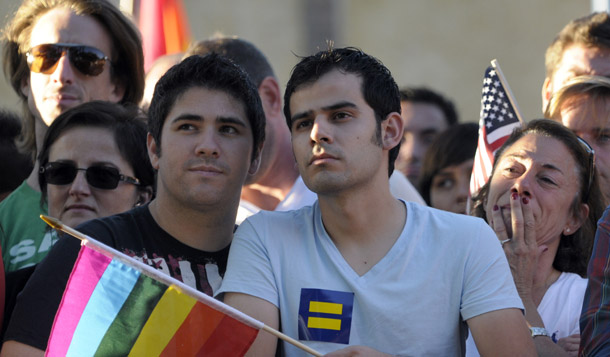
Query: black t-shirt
134, 233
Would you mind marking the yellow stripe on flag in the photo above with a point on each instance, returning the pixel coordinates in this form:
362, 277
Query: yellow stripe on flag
164, 321
326, 307
324, 323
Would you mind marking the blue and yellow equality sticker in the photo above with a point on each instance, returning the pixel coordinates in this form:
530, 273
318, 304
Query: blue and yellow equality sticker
325, 315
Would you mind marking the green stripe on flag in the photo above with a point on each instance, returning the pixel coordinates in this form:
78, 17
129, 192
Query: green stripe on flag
126, 327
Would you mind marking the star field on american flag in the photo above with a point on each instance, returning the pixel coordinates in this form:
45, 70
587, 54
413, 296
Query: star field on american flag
496, 110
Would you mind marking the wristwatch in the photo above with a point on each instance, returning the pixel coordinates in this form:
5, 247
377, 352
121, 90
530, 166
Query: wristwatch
539, 331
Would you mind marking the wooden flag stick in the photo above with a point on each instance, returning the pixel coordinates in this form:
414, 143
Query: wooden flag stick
509, 93
155, 274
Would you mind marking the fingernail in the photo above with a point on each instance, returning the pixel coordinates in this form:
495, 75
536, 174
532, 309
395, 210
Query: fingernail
514, 195
525, 200
496, 207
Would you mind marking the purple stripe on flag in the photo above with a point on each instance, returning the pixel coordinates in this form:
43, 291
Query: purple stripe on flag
91, 266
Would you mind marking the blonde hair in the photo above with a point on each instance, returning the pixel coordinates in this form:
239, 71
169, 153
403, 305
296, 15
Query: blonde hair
595, 88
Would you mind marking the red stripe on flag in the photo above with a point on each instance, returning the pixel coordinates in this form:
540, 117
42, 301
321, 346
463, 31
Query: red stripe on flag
231, 338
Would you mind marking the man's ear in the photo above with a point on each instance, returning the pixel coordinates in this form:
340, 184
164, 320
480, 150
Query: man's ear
153, 151
547, 92
392, 130
117, 92
271, 97
25, 86
256, 163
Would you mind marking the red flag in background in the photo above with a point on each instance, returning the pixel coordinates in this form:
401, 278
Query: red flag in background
164, 27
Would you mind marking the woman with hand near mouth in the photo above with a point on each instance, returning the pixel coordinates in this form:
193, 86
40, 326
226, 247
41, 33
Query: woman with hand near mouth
543, 202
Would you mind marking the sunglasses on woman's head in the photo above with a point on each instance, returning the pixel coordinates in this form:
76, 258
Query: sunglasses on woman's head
104, 177
86, 59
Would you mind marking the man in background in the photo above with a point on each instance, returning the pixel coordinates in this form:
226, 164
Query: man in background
582, 47
426, 114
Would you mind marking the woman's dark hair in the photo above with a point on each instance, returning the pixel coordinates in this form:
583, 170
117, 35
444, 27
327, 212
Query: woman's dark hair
127, 125
451, 147
574, 250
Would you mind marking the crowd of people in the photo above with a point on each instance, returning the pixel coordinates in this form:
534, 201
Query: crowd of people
336, 212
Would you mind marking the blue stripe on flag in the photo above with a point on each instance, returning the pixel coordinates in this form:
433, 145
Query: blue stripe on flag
108, 297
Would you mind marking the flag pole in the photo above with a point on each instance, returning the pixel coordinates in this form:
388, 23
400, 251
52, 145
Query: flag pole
509, 93
157, 275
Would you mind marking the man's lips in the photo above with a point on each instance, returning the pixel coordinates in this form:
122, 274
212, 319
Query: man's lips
206, 169
321, 159
63, 97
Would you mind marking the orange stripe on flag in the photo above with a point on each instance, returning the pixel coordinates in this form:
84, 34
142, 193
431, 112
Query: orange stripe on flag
196, 329
174, 21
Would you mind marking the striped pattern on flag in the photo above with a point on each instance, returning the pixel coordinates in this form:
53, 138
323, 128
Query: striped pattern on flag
110, 308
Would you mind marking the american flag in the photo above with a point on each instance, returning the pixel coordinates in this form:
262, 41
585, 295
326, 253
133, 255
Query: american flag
498, 119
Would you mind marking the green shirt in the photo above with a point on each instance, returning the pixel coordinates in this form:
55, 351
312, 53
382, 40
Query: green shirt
24, 237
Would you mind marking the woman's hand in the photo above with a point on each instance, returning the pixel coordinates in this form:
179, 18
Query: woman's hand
521, 249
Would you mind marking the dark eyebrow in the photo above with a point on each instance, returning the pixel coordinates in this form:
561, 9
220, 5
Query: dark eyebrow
339, 106
220, 119
231, 120
332, 107
187, 116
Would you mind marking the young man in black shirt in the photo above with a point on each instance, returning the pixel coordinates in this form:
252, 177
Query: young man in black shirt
206, 130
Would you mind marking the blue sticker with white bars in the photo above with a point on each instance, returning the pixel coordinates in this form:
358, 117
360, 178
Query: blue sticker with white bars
325, 315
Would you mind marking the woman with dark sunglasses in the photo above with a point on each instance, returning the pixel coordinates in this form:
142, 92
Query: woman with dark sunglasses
543, 201
94, 163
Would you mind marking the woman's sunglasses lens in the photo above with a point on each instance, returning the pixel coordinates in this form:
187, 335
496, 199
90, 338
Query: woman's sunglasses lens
60, 174
103, 177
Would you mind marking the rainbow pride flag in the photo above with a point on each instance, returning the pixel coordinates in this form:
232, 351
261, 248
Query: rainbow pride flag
113, 307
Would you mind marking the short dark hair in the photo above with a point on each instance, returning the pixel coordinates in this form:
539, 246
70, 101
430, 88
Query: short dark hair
127, 56
452, 147
15, 166
428, 96
574, 251
589, 31
379, 89
240, 51
213, 72
127, 125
